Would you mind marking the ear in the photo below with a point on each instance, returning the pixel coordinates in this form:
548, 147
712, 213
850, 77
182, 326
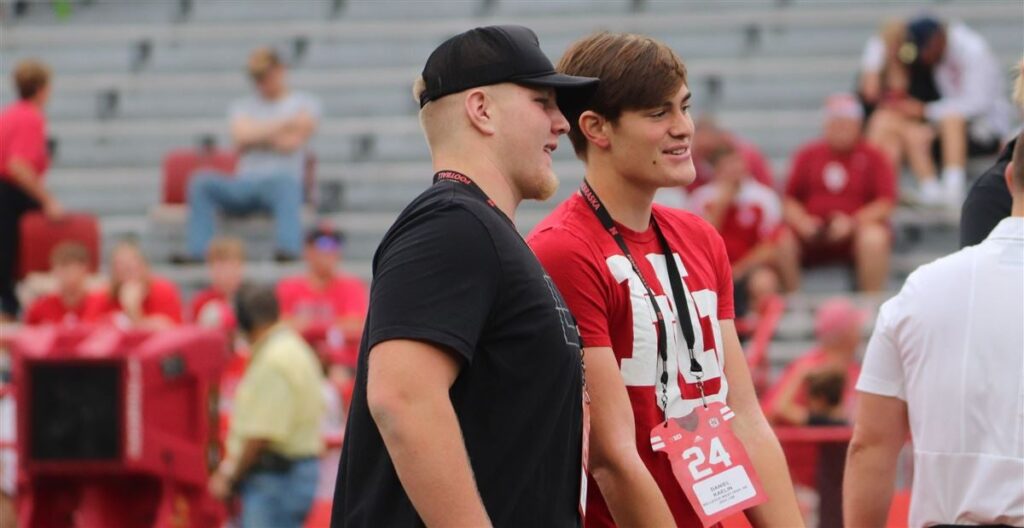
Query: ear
595, 128
1008, 177
479, 107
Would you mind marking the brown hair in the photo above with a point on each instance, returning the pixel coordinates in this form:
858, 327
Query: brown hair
69, 253
826, 385
225, 248
261, 61
636, 72
30, 76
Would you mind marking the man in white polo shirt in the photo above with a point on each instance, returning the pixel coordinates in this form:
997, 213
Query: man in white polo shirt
946, 364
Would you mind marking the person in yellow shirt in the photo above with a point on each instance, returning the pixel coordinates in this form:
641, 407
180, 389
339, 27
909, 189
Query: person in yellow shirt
274, 440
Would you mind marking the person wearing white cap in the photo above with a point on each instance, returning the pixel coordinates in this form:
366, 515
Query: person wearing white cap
840, 194
945, 366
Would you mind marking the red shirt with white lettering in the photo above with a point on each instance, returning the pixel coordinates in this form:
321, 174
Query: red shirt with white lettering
612, 309
755, 216
344, 296
23, 136
50, 309
826, 181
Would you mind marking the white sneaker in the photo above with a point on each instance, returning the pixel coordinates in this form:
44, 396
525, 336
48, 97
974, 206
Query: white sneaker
954, 183
931, 193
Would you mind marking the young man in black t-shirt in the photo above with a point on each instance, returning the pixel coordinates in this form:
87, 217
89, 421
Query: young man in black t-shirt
468, 407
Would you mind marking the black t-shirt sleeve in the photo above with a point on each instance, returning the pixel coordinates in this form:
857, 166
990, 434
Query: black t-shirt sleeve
987, 203
435, 281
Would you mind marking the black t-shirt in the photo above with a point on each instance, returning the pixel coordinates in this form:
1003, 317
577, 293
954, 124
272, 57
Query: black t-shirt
988, 201
454, 272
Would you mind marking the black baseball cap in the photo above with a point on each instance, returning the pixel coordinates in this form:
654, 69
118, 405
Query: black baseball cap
499, 54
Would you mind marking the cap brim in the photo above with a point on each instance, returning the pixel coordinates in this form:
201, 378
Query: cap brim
573, 92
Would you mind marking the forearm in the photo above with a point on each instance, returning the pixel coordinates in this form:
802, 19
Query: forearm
426, 446
25, 177
766, 454
868, 485
876, 211
761, 254
632, 495
248, 133
794, 213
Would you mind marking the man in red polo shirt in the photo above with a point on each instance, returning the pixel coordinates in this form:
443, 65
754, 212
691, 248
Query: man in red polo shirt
839, 197
69, 263
23, 161
326, 303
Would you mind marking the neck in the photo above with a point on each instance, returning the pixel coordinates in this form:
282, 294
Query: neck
320, 281
72, 297
627, 203
1018, 205
486, 174
260, 332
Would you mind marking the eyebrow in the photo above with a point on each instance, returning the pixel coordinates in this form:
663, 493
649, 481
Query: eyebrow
686, 99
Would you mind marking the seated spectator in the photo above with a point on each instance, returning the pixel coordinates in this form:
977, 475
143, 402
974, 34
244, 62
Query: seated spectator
225, 264
272, 130
708, 137
838, 327
970, 115
884, 76
69, 264
136, 298
839, 197
748, 214
325, 300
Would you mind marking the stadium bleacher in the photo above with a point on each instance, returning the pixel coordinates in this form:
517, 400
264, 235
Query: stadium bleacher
133, 83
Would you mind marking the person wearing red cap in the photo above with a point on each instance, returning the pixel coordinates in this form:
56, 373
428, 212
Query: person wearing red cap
838, 327
326, 303
840, 194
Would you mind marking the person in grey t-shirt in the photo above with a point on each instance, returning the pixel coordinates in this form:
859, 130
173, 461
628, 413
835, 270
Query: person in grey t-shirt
271, 130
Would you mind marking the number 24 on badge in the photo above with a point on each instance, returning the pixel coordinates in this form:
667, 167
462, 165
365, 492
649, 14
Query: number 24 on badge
709, 463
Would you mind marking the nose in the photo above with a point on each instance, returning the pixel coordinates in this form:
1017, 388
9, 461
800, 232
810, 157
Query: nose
682, 124
559, 124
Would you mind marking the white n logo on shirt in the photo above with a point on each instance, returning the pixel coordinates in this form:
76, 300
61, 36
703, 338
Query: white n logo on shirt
643, 368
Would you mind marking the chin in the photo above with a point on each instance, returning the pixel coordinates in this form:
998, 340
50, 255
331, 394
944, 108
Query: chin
542, 187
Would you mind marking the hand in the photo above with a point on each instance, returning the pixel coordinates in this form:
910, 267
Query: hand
219, 486
53, 209
840, 228
808, 228
909, 107
130, 296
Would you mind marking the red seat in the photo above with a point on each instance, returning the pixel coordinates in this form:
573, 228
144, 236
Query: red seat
180, 164
39, 235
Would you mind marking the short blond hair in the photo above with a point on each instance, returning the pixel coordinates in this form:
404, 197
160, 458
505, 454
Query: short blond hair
262, 60
30, 77
226, 248
434, 118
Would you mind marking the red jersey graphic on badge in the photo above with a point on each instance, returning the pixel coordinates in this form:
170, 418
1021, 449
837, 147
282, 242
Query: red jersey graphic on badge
709, 462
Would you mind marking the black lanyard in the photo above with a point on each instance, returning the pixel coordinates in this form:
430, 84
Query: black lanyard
682, 306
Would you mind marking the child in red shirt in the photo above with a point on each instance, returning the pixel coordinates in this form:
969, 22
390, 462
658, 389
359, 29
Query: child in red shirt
136, 298
214, 306
69, 264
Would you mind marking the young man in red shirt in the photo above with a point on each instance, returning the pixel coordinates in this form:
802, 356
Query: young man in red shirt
69, 264
634, 138
23, 162
214, 306
326, 303
839, 197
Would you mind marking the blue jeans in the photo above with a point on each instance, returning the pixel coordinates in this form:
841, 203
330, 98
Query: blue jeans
279, 500
209, 192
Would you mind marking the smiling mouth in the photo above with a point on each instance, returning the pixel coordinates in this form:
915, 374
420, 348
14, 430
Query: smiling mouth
678, 151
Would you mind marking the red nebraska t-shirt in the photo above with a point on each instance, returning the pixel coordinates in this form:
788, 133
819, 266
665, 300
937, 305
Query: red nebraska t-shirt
612, 309
754, 216
211, 308
23, 135
826, 181
50, 309
162, 298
